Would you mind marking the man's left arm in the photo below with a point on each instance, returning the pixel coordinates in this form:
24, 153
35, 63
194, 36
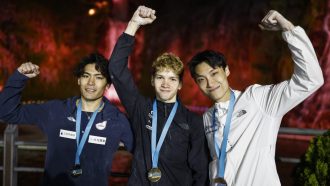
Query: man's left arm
198, 156
278, 99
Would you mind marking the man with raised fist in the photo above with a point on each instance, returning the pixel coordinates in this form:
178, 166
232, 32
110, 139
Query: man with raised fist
83, 132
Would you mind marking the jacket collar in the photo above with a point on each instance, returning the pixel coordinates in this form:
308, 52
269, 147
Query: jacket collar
109, 111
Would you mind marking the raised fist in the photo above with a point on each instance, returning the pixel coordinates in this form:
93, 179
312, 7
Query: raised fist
29, 70
143, 15
274, 21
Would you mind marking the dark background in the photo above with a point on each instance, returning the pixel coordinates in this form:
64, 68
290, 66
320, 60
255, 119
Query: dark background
56, 34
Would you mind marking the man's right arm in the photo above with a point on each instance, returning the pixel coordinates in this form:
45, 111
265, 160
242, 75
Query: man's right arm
11, 110
118, 66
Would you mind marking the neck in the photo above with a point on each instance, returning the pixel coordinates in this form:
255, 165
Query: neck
90, 106
225, 97
166, 101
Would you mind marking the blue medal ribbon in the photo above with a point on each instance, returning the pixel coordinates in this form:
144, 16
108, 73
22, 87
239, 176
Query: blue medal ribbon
223, 153
80, 145
155, 149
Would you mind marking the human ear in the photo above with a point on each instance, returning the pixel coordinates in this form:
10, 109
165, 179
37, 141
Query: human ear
227, 71
180, 85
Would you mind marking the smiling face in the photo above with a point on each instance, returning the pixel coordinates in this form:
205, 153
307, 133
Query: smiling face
92, 84
166, 84
213, 82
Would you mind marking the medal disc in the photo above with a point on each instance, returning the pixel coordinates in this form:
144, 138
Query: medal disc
154, 174
220, 180
76, 171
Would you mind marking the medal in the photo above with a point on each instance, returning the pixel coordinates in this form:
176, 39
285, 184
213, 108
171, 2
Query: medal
76, 171
154, 174
220, 180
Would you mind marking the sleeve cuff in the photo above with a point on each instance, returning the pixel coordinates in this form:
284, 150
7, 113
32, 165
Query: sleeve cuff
17, 76
128, 38
287, 34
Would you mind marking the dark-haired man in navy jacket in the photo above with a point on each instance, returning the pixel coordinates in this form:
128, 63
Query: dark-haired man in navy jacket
83, 132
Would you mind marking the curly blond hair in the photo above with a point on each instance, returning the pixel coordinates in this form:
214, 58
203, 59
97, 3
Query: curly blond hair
168, 61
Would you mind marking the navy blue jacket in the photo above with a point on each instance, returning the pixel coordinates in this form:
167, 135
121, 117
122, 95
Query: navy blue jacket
56, 119
183, 158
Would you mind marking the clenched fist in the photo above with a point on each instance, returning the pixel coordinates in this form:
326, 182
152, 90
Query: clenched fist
29, 69
143, 15
274, 21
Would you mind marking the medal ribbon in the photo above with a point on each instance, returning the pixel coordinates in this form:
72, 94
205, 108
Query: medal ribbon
80, 145
223, 153
155, 149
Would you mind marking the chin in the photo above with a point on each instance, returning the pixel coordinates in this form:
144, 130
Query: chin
163, 99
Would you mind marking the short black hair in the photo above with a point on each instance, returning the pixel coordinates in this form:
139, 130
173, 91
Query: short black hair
211, 57
101, 65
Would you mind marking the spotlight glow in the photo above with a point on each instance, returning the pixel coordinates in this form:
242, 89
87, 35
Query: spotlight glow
91, 12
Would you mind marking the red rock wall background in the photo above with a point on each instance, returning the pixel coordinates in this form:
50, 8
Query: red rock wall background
55, 34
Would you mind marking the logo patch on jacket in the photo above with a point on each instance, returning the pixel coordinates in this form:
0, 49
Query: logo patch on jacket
97, 140
149, 127
149, 117
70, 118
241, 113
67, 134
101, 126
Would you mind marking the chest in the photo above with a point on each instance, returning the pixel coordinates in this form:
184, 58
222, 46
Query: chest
104, 134
176, 139
249, 127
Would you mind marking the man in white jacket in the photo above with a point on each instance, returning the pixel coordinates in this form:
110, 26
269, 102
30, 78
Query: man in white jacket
241, 127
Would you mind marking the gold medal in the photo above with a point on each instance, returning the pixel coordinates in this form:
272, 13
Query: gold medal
154, 174
220, 181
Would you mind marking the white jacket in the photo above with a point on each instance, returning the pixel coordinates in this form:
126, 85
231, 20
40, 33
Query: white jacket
257, 117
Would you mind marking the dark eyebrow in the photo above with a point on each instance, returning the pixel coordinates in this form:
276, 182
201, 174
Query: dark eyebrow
210, 71
199, 75
213, 69
98, 74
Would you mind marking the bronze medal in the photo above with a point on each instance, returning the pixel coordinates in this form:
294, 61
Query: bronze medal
154, 174
220, 180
